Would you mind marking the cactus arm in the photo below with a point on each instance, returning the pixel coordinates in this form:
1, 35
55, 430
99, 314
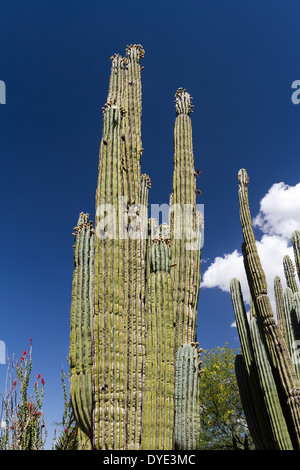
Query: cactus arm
289, 273
256, 415
291, 305
296, 248
249, 406
158, 406
132, 121
119, 336
109, 329
187, 400
279, 306
80, 355
277, 420
185, 262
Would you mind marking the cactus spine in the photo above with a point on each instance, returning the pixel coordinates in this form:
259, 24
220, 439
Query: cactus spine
145, 280
268, 363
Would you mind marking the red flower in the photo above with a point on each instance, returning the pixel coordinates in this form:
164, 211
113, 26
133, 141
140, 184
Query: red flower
38, 413
38, 376
15, 383
43, 382
24, 353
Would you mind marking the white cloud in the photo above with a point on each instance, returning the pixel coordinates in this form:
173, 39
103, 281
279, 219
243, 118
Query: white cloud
279, 212
278, 217
222, 269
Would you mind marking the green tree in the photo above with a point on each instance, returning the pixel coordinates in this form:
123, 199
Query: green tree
223, 424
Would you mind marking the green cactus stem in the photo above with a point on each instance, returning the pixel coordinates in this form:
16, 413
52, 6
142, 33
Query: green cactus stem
187, 400
291, 305
289, 273
80, 356
185, 261
278, 291
119, 335
158, 405
269, 389
296, 248
247, 376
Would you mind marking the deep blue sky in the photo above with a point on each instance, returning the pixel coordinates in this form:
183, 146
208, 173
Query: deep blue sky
238, 61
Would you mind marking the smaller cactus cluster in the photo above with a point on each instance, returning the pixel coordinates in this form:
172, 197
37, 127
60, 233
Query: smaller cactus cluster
267, 371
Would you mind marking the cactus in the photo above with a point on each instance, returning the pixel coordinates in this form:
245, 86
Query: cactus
291, 306
187, 400
80, 356
158, 409
267, 364
145, 280
289, 273
296, 247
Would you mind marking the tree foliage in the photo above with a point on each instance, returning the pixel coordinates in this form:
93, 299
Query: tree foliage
223, 424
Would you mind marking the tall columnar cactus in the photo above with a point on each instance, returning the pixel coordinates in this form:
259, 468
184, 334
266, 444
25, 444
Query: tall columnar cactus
145, 280
269, 386
183, 222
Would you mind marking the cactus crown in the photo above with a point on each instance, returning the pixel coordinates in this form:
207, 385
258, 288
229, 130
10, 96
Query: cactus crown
243, 177
135, 51
183, 102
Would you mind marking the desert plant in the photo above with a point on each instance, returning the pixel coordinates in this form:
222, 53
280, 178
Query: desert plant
22, 420
269, 386
68, 438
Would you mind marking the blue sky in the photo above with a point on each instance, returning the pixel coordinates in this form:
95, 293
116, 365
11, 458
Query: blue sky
237, 59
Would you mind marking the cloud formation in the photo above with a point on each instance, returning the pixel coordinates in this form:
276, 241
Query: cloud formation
279, 212
278, 217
